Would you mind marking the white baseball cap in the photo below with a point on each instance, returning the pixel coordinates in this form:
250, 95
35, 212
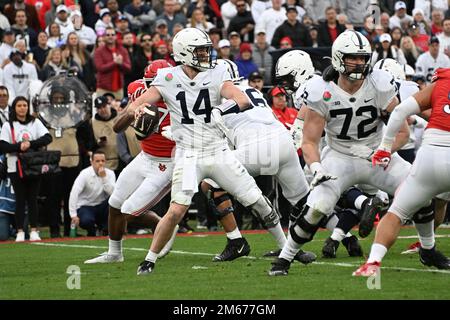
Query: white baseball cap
385, 37
224, 43
61, 7
400, 5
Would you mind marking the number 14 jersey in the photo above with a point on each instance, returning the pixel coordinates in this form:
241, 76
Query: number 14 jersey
190, 102
351, 118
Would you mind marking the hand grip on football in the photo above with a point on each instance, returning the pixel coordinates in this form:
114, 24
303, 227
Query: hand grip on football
146, 119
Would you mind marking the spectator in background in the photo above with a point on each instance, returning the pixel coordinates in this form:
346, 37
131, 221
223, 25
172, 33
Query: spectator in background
86, 34
162, 29
410, 50
104, 138
284, 114
245, 62
261, 55
387, 6
429, 61
258, 7
316, 8
112, 62
444, 37
62, 19
420, 40
437, 18
368, 30
6, 47
18, 74
419, 19
385, 22
314, 36
31, 13
29, 134
210, 8
400, 16
293, 29
224, 50
396, 35
386, 50
131, 47
296, 3
4, 23
242, 22
54, 64
343, 20
140, 15
113, 7
104, 22
142, 56
329, 29
162, 52
354, 10
79, 60
55, 38
50, 15
286, 43
228, 11
169, 14
271, 19
42, 49
307, 21
235, 44
122, 27
198, 20
88, 203
22, 30
256, 80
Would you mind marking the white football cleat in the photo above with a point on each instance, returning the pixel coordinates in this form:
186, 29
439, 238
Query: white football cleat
34, 236
166, 249
105, 257
20, 236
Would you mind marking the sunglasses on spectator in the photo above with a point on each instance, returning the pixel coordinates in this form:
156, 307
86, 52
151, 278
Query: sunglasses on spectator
146, 40
110, 34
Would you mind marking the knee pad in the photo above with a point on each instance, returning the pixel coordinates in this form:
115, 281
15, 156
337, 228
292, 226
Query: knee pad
425, 214
302, 231
214, 205
297, 209
263, 210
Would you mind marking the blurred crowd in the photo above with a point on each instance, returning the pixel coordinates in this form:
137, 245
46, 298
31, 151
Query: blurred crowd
107, 44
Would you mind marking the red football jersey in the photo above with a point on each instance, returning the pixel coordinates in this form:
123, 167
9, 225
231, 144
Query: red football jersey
440, 101
155, 144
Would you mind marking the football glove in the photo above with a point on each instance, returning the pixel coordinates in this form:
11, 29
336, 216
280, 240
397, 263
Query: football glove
320, 175
296, 132
382, 158
166, 132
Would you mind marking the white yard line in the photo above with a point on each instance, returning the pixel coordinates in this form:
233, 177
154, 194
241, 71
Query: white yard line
337, 264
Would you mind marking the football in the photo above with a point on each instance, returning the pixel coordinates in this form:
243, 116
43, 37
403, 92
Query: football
146, 123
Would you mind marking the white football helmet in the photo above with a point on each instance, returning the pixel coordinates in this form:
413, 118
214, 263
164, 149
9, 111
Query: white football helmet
232, 69
351, 43
409, 71
391, 66
293, 69
185, 44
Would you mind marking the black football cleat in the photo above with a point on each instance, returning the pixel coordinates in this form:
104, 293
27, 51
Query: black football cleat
434, 258
280, 267
305, 257
145, 268
234, 249
370, 208
353, 247
272, 253
329, 248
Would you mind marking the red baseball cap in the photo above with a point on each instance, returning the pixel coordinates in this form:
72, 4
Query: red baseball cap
245, 47
277, 90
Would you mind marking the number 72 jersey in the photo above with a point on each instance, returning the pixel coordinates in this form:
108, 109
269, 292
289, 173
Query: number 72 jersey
190, 102
351, 119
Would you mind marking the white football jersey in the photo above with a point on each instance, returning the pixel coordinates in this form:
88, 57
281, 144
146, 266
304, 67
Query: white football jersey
247, 125
190, 102
405, 90
426, 65
352, 119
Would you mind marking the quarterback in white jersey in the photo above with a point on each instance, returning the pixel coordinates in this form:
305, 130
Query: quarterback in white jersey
192, 92
348, 104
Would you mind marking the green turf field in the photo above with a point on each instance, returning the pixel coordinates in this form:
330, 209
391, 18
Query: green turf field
38, 271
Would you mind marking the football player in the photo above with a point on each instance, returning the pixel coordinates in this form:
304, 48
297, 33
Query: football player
145, 180
193, 91
429, 175
264, 147
349, 103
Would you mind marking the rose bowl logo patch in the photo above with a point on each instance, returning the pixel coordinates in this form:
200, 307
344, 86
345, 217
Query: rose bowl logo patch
44, 169
327, 96
169, 77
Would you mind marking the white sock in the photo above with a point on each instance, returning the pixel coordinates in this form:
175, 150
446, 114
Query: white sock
115, 247
348, 235
377, 252
278, 233
426, 234
290, 249
151, 256
338, 234
359, 201
235, 234
332, 222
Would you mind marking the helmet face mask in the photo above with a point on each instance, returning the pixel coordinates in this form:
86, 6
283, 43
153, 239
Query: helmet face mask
351, 44
293, 69
287, 82
193, 47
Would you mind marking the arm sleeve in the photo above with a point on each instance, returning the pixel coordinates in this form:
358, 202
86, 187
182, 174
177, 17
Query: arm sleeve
101, 65
5, 144
74, 194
